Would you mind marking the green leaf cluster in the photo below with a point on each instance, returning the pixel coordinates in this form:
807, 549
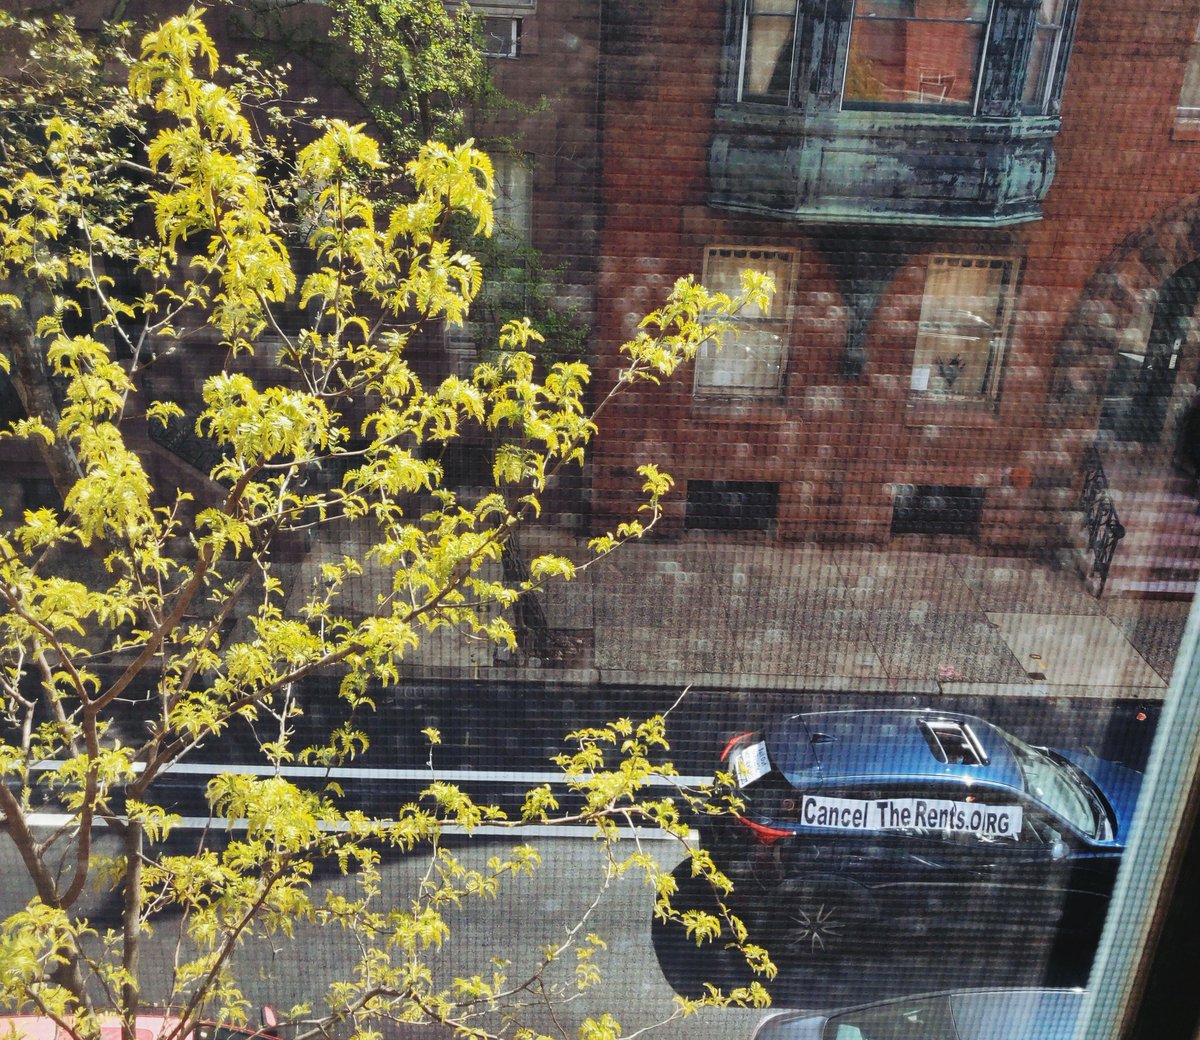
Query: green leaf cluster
152, 219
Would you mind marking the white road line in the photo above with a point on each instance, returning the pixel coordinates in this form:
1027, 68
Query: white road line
486, 776
517, 834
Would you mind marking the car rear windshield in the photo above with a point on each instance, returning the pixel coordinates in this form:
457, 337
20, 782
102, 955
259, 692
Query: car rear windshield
1057, 787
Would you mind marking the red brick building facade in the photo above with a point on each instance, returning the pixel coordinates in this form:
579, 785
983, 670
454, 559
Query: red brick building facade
973, 284
981, 216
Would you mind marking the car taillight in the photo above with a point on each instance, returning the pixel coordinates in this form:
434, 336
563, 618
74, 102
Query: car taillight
733, 742
763, 834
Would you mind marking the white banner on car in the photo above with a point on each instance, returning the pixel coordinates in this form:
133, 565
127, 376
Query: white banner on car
896, 814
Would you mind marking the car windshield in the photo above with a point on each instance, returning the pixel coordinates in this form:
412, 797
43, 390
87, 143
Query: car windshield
1057, 787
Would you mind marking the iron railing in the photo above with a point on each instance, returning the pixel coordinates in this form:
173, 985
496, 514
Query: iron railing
1100, 520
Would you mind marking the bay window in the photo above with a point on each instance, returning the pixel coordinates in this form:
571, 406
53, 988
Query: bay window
1044, 59
902, 53
936, 112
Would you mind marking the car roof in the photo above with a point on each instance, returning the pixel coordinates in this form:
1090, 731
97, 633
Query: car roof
891, 745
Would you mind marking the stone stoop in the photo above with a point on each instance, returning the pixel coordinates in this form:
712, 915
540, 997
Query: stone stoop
1159, 557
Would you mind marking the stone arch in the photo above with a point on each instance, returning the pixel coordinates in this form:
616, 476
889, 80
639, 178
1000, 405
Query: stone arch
1112, 302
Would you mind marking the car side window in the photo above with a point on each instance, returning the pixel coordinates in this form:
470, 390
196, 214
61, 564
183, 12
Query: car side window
1041, 828
774, 797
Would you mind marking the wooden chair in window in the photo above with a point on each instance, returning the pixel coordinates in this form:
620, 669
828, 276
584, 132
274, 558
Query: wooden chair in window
933, 87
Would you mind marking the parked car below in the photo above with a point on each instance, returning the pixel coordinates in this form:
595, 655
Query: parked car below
866, 830
998, 1014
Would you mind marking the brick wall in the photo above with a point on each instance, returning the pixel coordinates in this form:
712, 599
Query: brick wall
838, 445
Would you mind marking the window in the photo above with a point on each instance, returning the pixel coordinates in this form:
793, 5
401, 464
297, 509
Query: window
927, 1017
1043, 61
768, 51
914, 52
506, 290
501, 36
942, 55
750, 361
1189, 96
974, 88
731, 505
501, 24
953, 742
937, 509
514, 195
963, 328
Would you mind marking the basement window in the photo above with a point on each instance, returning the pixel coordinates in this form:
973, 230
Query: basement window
937, 509
731, 505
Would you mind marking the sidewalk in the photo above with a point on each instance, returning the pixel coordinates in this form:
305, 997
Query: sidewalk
746, 614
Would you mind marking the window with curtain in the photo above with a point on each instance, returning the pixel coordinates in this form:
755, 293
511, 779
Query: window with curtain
1189, 95
963, 329
752, 360
514, 193
768, 50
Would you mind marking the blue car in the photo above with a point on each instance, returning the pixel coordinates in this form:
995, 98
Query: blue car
868, 831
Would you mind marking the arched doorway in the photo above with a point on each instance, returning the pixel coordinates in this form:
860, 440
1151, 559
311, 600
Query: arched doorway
1125, 373
1137, 397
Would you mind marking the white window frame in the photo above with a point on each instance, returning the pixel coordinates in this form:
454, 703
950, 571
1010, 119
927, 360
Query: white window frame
510, 41
512, 10
1185, 113
744, 52
513, 206
934, 371
1039, 104
716, 373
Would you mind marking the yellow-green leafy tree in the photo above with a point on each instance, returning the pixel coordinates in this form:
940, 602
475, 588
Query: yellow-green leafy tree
136, 221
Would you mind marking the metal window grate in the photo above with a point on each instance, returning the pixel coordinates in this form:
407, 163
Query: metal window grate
731, 505
937, 509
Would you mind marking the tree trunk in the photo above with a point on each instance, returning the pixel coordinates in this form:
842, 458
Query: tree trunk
31, 376
131, 924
